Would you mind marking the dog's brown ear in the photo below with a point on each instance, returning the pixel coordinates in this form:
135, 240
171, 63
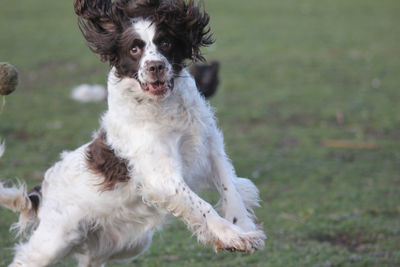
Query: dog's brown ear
101, 21
188, 21
90, 9
197, 25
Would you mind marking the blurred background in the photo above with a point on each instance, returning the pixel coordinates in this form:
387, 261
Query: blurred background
308, 102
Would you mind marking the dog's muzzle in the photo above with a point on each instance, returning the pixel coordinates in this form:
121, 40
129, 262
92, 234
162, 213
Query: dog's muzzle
158, 87
156, 72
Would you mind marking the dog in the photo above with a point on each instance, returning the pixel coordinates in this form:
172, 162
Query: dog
157, 144
206, 77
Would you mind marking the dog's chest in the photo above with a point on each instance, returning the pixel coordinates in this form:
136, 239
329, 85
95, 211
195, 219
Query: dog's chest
188, 137
194, 156
178, 130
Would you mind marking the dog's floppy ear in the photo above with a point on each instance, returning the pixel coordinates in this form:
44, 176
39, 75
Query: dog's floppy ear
101, 21
188, 21
198, 30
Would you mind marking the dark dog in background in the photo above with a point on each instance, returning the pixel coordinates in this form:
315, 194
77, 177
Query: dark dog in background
206, 77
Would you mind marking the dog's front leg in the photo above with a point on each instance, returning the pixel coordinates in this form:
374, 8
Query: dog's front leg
238, 195
162, 185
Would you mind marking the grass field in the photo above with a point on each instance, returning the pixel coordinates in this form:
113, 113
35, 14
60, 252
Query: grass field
294, 74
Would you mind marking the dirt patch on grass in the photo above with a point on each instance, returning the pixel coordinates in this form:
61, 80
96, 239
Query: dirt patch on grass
295, 119
288, 142
302, 119
391, 212
19, 134
354, 243
390, 134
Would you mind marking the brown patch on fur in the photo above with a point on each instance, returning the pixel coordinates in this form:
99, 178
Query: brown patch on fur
102, 160
35, 195
235, 220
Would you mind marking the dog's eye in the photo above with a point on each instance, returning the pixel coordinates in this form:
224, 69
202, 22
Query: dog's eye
135, 51
165, 45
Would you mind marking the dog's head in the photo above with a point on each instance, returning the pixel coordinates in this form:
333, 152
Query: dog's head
148, 40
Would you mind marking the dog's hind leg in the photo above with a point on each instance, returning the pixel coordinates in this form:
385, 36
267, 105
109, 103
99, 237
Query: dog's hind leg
127, 254
51, 241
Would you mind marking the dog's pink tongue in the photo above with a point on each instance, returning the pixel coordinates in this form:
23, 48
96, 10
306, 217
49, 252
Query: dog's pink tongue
157, 88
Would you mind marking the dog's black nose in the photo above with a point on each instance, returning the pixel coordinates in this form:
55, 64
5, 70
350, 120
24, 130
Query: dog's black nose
156, 67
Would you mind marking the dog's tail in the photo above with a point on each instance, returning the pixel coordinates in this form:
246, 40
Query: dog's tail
16, 198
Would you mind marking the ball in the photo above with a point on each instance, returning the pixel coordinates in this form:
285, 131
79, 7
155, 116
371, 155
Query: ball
8, 78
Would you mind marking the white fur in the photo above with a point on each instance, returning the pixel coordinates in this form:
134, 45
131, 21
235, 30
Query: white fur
172, 145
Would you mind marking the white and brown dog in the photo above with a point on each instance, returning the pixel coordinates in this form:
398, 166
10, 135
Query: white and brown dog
157, 142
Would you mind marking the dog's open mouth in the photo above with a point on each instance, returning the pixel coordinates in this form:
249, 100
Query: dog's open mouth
158, 87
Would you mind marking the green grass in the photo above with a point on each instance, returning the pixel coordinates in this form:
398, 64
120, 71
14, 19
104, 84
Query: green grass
288, 68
